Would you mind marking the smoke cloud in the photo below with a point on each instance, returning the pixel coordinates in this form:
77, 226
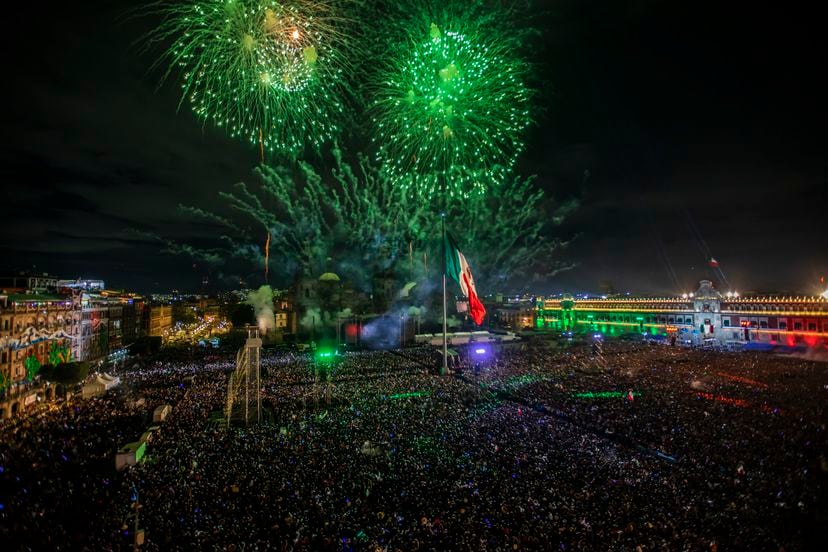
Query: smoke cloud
316, 318
813, 354
311, 318
262, 302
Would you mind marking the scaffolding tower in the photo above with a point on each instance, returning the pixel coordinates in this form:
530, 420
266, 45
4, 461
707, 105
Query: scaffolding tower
244, 389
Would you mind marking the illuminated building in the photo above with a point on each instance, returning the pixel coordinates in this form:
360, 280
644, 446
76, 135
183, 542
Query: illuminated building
38, 328
513, 315
35, 329
284, 314
158, 320
106, 322
29, 283
704, 316
80, 283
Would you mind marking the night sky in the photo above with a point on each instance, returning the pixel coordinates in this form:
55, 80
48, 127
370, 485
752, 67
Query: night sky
683, 127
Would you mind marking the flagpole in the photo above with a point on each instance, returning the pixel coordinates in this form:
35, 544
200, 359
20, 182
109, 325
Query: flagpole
445, 336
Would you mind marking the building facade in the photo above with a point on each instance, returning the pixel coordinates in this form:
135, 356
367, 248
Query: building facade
104, 322
512, 316
78, 323
704, 316
158, 320
35, 329
29, 283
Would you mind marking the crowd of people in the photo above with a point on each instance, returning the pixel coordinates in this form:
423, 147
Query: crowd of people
658, 449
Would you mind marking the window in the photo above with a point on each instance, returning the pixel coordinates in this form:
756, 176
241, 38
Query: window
783, 325
797, 325
3, 357
763, 323
726, 322
811, 326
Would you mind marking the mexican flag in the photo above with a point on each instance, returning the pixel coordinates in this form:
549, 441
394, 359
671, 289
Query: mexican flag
458, 268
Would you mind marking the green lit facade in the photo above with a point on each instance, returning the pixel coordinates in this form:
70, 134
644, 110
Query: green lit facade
703, 316
615, 316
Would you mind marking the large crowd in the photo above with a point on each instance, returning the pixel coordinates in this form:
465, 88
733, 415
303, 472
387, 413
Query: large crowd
659, 448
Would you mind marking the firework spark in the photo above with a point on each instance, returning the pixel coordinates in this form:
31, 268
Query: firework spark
450, 103
270, 72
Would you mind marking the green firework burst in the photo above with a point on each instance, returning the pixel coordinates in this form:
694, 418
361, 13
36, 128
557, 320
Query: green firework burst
451, 103
270, 72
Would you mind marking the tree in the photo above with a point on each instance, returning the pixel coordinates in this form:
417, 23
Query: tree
146, 345
242, 316
183, 313
47, 372
32, 367
71, 373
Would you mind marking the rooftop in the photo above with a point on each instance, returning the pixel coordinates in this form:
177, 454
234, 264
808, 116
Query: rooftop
36, 298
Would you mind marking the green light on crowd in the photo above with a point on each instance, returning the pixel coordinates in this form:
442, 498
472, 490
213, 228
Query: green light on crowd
408, 395
604, 395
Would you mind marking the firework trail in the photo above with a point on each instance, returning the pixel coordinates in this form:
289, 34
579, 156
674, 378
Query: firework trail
267, 256
705, 250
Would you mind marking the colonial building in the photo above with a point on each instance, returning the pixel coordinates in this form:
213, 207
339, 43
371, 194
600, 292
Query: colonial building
35, 329
106, 321
80, 323
158, 320
510, 314
29, 283
704, 316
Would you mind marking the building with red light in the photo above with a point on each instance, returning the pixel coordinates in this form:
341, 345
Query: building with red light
706, 316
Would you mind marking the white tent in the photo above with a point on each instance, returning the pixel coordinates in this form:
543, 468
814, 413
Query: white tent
130, 454
160, 414
93, 389
98, 386
110, 381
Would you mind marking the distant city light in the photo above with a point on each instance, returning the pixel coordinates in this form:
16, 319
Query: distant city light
480, 351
